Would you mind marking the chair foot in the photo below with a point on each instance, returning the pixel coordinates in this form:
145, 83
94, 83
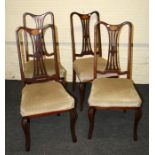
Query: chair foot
138, 115
25, 122
73, 118
91, 116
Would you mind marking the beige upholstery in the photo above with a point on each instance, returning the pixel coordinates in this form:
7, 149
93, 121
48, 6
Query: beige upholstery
45, 97
49, 63
84, 68
114, 92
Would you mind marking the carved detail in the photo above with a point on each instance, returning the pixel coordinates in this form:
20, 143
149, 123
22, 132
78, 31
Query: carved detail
113, 65
86, 40
86, 45
39, 21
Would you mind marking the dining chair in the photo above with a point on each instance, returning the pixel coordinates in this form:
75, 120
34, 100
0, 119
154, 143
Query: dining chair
83, 58
38, 21
42, 93
114, 93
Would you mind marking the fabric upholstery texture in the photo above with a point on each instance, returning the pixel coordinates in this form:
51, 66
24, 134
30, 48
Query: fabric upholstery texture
114, 92
84, 68
45, 97
49, 64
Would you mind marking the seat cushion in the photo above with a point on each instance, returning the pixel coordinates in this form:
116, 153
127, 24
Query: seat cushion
84, 68
49, 63
45, 97
114, 92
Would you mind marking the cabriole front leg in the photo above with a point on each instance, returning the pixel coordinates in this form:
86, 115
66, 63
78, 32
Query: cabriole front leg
73, 118
25, 122
138, 115
91, 116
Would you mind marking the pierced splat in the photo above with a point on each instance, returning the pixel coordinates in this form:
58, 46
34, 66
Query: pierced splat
86, 40
39, 69
39, 19
86, 45
38, 52
112, 65
39, 23
112, 62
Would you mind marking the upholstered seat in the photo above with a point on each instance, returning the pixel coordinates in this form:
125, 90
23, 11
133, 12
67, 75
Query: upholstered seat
45, 97
49, 64
43, 93
84, 68
113, 92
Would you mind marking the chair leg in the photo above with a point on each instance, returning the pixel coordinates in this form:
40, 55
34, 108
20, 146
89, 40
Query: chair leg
82, 95
124, 111
138, 115
74, 81
25, 122
64, 82
91, 116
73, 118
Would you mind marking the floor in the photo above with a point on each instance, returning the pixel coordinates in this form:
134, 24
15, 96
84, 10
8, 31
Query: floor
51, 135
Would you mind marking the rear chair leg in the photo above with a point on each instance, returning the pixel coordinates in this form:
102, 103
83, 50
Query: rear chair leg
91, 116
74, 81
25, 122
73, 118
82, 95
138, 115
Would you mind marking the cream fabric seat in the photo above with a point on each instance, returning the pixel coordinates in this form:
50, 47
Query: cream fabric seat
113, 92
45, 97
84, 68
49, 64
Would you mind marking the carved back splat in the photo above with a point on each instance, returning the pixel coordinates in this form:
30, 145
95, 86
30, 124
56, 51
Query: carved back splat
86, 42
39, 23
39, 68
113, 61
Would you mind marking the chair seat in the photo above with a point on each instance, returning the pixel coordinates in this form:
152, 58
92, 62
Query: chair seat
49, 64
84, 68
45, 97
113, 92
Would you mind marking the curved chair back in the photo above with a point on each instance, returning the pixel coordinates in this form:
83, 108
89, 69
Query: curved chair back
86, 39
113, 65
36, 69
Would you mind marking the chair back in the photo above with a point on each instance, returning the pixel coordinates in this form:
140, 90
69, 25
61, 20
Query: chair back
113, 62
86, 39
36, 21
39, 54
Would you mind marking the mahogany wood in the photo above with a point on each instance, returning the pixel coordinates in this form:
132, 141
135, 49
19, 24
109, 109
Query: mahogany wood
113, 67
26, 128
138, 115
39, 23
91, 115
40, 74
73, 118
86, 44
39, 20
